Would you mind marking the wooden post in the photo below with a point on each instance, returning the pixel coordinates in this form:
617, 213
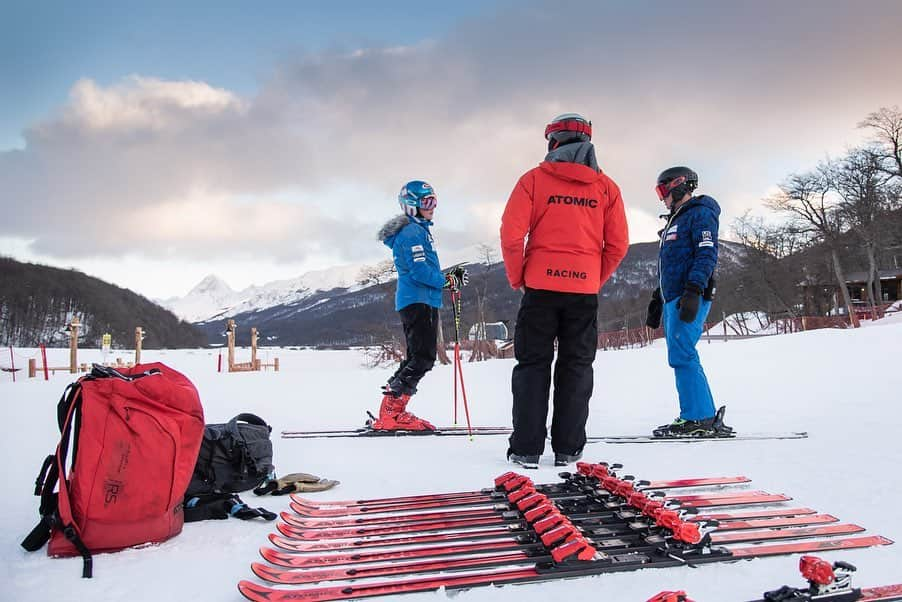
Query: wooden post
139, 336
12, 363
44, 360
73, 345
32, 368
254, 363
230, 337
275, 364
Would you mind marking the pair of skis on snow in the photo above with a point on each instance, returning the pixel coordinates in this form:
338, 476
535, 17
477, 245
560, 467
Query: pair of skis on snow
593, 522
447, 431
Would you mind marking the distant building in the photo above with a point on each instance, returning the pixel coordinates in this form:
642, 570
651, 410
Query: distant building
494, 331
821, 298
890, 286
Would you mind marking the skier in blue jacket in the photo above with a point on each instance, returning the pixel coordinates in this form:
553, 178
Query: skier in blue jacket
417, 299
686, 261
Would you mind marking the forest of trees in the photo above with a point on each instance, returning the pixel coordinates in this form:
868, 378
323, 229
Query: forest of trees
842, 214
37, 302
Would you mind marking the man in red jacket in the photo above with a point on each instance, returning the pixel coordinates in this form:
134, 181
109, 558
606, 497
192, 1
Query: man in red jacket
571, 218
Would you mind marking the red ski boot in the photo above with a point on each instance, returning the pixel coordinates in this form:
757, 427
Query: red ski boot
392, 416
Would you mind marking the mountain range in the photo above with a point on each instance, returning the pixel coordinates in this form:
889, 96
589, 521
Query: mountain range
329, 308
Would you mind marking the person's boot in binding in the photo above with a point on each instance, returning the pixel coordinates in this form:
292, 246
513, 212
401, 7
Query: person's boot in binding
393, 417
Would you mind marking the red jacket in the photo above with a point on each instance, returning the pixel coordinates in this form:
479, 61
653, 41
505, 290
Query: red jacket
576, 226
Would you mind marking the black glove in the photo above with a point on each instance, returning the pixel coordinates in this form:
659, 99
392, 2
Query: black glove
689, 302
457, 278
655, 308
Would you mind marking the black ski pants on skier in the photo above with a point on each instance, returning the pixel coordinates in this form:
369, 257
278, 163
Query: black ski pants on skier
420, 323
571, 319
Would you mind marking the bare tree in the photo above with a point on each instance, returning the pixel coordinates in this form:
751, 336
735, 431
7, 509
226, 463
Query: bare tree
768, 246
886, 125
814, 212
480, 345
374, 275
862, 183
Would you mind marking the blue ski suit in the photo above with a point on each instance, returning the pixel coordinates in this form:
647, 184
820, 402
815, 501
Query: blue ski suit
420, 279
688, 255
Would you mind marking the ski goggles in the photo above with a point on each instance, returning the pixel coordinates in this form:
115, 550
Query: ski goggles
663, 189
570, 125
428, 202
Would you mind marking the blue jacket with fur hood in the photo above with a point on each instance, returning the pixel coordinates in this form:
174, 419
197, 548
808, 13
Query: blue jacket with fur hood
420, 279
688, 252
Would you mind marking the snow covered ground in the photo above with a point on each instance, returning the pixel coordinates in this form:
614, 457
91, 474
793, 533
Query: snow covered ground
842, 386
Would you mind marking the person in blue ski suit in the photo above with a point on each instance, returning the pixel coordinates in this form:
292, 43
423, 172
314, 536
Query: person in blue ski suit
687, 259
417, 299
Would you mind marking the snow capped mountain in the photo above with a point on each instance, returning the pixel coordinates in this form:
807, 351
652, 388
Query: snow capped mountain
213, 299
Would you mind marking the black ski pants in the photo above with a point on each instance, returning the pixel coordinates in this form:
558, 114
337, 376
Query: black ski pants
571, 319
420, 323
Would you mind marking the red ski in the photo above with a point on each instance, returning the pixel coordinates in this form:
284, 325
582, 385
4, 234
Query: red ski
320, 523
392, 501
303, 561
798, 533
500, 576
372, 531
296, 545
687, 501
794, 521
831, 583
753, 514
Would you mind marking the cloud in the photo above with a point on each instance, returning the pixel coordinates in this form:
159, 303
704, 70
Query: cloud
310, 164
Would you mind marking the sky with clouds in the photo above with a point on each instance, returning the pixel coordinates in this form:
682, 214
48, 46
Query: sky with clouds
150, 146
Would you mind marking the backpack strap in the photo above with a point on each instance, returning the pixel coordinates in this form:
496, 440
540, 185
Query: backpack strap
241, 510
55, 509
101, 371
232, 426
221, 506
242, 460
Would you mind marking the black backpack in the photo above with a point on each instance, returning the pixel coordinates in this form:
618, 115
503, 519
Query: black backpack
235, 456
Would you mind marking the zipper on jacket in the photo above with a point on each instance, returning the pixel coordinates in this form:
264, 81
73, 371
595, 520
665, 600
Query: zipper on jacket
661, 246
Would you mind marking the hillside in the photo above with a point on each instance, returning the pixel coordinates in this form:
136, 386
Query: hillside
354, 316
37, 302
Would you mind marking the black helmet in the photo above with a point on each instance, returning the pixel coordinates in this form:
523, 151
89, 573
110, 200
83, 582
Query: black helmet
677, 181
567, 128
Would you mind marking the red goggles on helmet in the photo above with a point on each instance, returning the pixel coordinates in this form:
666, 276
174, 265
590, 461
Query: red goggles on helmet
569, 125
428, 202
663, 189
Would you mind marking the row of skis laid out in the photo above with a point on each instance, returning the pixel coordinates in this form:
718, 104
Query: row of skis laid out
591, 522
450, 431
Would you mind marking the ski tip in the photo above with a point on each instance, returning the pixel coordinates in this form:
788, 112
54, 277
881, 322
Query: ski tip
253, 591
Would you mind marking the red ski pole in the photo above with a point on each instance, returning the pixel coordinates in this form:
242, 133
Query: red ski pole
458, 369
454, 362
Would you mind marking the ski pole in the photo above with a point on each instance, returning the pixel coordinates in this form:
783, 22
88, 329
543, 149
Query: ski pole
459, 373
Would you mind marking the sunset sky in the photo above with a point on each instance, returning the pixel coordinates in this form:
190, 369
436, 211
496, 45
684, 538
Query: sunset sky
150, 146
